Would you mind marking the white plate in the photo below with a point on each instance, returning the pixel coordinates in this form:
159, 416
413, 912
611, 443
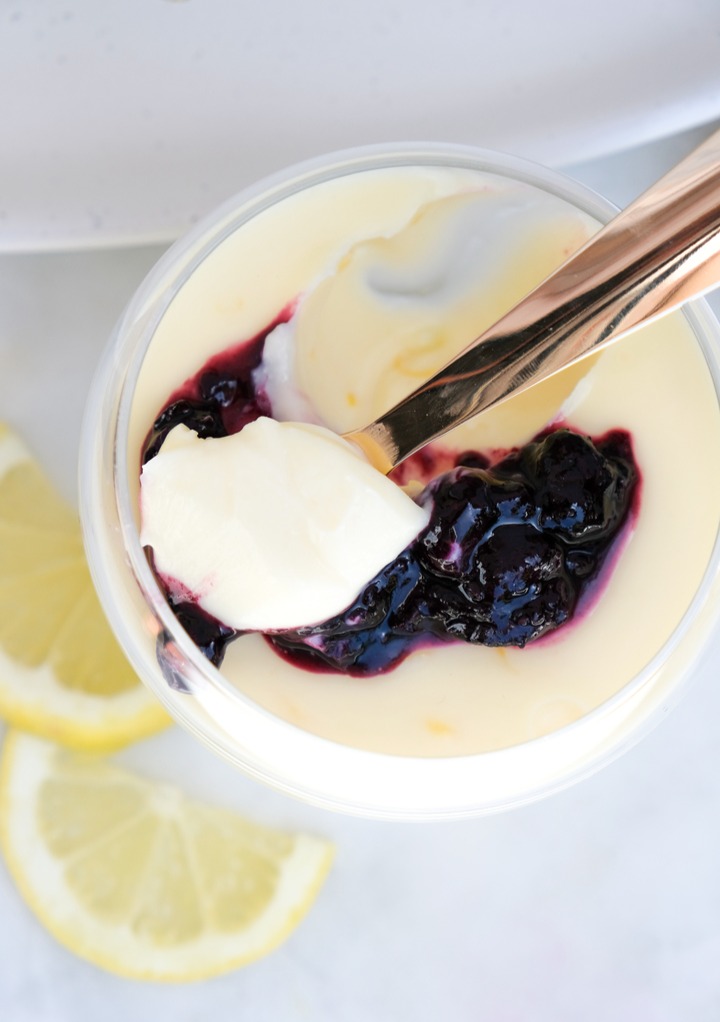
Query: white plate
125, 121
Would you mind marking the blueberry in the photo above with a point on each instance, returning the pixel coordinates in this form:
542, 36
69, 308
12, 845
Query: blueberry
521, 585
372, 635
220, 399
580, 493
472, 459
209, 635
466, 504
515, 588
201, 416
222, 389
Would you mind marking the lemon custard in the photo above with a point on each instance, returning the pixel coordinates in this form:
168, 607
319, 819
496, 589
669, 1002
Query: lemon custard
372, 281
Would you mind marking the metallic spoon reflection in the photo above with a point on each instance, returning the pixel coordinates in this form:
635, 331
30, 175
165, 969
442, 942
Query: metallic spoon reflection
659, 253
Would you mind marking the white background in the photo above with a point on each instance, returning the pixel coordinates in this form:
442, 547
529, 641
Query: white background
600, 903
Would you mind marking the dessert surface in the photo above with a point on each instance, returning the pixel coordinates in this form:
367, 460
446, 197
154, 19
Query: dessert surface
394, 272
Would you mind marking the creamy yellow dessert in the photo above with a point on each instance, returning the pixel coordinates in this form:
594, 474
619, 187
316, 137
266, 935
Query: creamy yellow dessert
375, 280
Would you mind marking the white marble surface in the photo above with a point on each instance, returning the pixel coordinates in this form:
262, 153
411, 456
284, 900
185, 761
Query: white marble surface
600, 903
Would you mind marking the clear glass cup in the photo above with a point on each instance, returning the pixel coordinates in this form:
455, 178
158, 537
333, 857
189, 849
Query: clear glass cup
199, 697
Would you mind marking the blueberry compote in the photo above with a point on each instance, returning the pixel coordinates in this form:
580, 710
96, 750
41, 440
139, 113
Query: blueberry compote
507, 554
222, 398
512, 546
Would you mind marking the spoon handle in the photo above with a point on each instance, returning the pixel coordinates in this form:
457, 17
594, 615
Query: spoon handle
658, 253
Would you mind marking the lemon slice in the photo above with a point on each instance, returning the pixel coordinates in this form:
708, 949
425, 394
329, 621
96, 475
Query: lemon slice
62, 674
140, 880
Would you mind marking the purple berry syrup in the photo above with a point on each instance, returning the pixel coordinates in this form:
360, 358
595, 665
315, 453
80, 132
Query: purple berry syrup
515, 543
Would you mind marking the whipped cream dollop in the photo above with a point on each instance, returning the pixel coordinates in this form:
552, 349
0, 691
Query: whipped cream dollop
277, 526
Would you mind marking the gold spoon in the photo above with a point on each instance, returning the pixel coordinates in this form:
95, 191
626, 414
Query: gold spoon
660, 252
